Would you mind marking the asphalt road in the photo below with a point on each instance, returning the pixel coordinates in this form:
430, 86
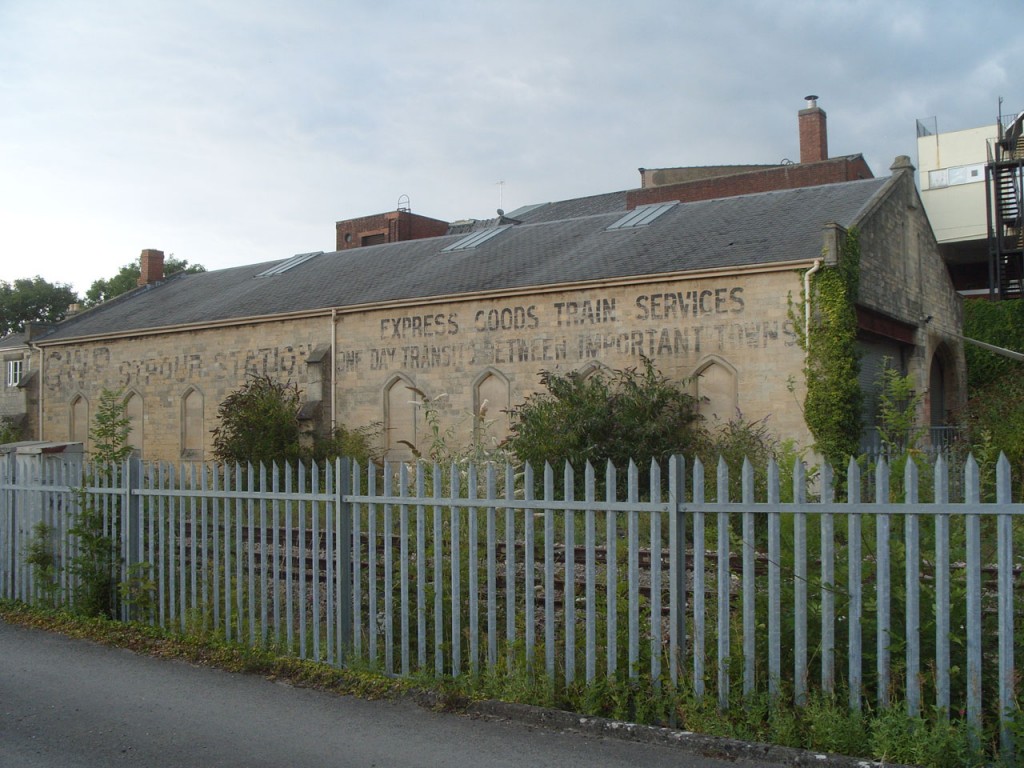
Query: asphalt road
73, 703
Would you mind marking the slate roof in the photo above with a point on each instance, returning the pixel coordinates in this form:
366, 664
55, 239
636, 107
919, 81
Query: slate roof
609, 202
748, 230
14, 340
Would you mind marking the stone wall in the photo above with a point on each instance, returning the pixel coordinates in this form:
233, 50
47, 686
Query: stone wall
466, 362
903, 275
463, 356
166, 371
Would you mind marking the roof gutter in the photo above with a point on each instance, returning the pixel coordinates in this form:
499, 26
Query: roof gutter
40, 388
454, 298
334, 378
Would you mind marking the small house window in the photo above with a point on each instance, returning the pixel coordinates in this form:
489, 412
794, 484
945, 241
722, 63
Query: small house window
14, 372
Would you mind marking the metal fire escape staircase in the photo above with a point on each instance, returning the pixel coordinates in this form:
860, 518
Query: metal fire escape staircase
1005, 193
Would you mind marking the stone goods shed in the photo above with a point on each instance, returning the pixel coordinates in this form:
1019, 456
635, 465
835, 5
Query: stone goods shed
469, 319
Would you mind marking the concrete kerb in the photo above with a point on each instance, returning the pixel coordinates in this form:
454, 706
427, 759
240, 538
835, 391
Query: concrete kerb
686, 741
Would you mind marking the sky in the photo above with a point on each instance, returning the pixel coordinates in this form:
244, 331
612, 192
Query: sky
231, 132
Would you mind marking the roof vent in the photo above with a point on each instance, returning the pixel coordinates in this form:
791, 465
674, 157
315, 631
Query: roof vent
473, 240
287, 264
642, 215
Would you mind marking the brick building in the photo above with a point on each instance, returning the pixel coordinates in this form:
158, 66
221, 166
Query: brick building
694, 270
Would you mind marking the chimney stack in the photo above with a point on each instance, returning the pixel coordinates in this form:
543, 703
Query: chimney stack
152, 267
813, 132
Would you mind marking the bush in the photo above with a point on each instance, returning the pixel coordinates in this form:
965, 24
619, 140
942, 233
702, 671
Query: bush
361, 444
994, 422
259, 423
9, 433
626, 414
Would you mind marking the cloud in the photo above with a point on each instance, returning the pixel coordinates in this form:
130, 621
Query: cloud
233, 132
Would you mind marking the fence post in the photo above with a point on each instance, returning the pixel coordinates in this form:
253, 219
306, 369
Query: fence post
972, 499
1007, 672
800, 580
723, 585
7, 526
828, 584
853, 565
677, 565
883, 588
912, 581
633, 566
942, 605
775, 586
343, 548
748, 547
699, 564
131, 529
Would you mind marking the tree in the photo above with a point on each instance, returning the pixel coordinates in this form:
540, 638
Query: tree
32, 300
127, 279
95, 525
620, 415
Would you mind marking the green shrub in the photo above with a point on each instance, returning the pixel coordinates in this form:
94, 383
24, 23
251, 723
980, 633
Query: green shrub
620, 415
259, 423
96, 558
9, 433
360, 443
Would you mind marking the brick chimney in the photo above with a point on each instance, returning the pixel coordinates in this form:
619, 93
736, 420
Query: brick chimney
813, 132
152, 263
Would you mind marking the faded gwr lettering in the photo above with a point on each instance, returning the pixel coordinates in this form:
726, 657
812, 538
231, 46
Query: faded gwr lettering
538, 350
648, 342
406, 326
586, 312
71, 370
683, 304
511, 318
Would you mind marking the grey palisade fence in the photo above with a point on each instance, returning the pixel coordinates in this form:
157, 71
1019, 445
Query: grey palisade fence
605, 572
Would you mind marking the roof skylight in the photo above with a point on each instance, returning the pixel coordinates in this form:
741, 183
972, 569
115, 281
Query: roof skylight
474, 239
287, 264
642, 215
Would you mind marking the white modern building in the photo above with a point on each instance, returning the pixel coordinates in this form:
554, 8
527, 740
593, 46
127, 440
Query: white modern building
970, 184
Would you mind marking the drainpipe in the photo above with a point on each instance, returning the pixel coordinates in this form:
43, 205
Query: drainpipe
39, 400
807, 305
334, 364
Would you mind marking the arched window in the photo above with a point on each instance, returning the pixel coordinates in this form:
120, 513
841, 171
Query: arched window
133, 412
491, 402
590, 369
403, 419
78, 429
193, 432
715, 382
941, 396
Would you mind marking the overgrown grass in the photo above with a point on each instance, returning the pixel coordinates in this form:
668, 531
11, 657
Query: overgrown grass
824, 725
206, 649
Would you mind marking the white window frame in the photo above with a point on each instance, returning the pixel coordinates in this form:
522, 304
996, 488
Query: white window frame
15, 369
